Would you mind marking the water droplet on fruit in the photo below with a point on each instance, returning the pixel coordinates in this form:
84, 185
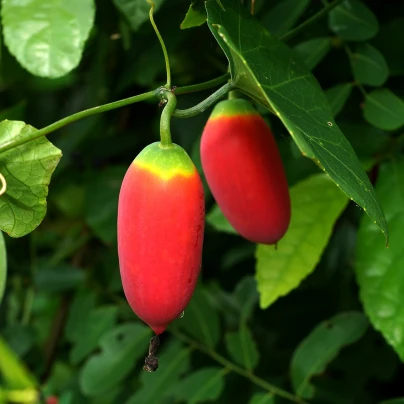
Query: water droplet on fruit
182, 315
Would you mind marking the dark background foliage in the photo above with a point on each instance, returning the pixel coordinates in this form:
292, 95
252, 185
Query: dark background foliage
64, 306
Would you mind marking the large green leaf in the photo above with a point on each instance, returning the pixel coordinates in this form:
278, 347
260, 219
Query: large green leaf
316, 205
353, 21
270, 72
120, 349
3, 266
205, 384
242, 348
321, 346
379, 269
27, 169
136, 11
384, 110
173, 362
47, 37
368, 65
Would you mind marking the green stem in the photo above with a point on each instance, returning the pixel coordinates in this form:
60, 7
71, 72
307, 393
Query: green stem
310, 21
237, 369
165, 121
205, 104
203, 86
163, 46
73, 118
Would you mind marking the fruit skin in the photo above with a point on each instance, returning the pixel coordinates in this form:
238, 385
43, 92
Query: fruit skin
161, 214
244, 171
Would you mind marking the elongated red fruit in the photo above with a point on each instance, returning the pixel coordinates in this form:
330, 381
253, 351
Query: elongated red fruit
160, 233
244, 171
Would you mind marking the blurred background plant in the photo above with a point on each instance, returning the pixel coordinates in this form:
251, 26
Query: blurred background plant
66, 329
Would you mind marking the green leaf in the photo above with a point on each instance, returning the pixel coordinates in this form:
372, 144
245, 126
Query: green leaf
173, 362
262, 398
13, 371
353, 21
246, 295
217, 220
337, 97
273, 75
102, 191
393, 401
201, 320
321, 346
242, 348
47, 37
368, 65
384, 110
379, 269
120, 349
27, 169
136, 11
196, 16
79, 312
281, 18
313, 51
100, 321
205, 384
3, 266
58, 279
316, 205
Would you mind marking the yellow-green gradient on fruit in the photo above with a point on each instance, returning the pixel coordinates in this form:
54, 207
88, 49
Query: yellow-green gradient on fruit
161, 215
175, 162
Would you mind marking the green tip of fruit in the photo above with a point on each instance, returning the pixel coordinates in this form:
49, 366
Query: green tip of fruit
166, 162
233, 107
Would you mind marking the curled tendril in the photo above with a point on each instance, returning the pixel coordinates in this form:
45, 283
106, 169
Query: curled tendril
3, 182
163, 46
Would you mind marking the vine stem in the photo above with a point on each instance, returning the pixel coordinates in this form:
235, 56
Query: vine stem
237, 369
310, 21
165, 121
163, 46
203, 86
102, 108
73, 118
205, 104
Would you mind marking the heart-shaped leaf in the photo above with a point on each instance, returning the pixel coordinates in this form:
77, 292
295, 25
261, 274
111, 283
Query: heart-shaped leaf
27, 169
47, 37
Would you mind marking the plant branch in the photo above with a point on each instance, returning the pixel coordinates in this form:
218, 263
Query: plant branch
202, 86
237, 369
165, 120
73, 118
205, 104
310, 21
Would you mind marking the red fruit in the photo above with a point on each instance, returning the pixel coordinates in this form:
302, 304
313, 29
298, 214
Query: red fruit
244, 170
160, 233
52, 400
